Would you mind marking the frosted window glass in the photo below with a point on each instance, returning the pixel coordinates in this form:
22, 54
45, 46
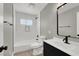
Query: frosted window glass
26, 22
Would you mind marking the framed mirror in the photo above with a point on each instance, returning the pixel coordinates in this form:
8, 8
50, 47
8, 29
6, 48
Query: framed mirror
68, 20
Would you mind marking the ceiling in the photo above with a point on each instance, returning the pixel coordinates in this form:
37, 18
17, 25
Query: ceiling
31, 8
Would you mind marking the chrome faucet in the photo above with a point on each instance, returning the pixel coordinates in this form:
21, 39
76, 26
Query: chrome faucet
66, 39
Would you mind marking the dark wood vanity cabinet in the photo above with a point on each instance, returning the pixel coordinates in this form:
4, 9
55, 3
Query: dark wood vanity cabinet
52, 51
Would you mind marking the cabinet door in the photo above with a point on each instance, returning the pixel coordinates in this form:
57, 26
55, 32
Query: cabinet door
52, 51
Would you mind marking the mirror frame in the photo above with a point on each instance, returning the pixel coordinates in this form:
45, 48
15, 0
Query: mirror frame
58, 22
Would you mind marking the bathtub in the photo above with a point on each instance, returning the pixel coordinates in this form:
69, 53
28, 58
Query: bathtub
36, 47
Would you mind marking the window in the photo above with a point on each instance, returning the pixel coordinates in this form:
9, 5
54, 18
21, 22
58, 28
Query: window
26, 22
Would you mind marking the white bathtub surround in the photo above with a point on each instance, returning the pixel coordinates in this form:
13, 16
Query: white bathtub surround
22, 48
71, 49
36, 47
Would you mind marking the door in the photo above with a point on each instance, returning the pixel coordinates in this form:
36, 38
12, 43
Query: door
1, 26
7, 29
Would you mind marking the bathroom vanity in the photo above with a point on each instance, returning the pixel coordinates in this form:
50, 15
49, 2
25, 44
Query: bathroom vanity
68, 27
56, 47
50, 50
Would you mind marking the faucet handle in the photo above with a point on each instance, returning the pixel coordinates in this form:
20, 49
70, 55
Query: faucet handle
66, 39
77, 34
68, 36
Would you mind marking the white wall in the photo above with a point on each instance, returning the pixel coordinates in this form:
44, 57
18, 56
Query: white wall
48, 22
21, 36
38, 24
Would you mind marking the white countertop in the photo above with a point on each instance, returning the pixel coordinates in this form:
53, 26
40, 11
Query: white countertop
71, 49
